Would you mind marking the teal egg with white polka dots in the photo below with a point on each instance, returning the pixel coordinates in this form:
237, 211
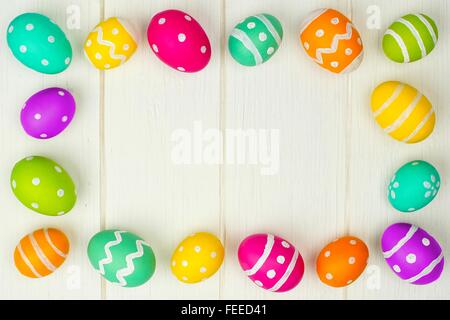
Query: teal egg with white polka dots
414, 186
39, 43
256, 39
42, 185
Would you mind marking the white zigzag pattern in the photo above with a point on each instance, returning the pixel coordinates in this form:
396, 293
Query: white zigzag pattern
129, 269
112, 46
107, 248
334, 43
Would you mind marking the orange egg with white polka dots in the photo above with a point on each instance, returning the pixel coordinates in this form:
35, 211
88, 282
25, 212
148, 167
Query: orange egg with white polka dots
342, 261
197, 257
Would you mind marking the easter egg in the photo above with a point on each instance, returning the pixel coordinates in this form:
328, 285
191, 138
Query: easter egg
110, 44
39, 43
41, 252
47, 113
254, 40
403, 112
197, 257
42, 185
342, 261
121, 257
332, 41
412, 253
410, 38
179, 41
271, 262
413, 186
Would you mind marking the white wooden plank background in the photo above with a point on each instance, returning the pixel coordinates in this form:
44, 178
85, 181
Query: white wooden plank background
334, 160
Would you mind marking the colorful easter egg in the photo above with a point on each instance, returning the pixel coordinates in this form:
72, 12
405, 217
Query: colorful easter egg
414, 186
47, 113
121, 257
271, 262
197, 257
254, 40
342, 261
179, 41
410, 38
403, 112
41, 252
412, 253
110, 44
43, 186
332, 41
39, 43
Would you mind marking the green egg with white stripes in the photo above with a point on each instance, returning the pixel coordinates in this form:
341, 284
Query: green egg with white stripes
255, 40
410, 38
121, 257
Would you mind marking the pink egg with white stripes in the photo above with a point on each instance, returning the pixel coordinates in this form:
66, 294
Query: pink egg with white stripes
271, 262
412, 253
47, 113
179, 41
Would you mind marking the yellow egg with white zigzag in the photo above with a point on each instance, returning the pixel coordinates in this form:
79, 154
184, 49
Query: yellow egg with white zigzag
403, 112
110, 44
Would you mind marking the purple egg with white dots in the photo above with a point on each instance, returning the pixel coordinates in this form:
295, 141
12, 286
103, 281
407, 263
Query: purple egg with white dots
47, 113
412, 253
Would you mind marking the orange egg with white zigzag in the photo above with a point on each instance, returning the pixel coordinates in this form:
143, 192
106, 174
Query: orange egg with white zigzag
41, 252
332, 41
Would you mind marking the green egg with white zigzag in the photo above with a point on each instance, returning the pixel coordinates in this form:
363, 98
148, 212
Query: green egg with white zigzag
255, 40
122, 257
410, 38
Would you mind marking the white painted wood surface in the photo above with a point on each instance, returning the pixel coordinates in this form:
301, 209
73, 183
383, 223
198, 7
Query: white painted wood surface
334, 161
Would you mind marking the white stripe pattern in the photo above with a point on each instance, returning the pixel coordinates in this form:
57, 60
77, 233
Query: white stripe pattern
287, 274
27, 262
55, 248
400, 43
41, 255
107, 248
420, 126
267, 250
412, 230
129, 269
427, 270
245, 40
398, 90
404, 115
428, 25
112, 46
334, 44
269, 27
311, 17
415, 34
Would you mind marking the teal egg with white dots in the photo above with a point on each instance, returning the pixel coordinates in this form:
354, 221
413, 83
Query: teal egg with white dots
414, 186
410, 38
39, 43
256, 39
42, 185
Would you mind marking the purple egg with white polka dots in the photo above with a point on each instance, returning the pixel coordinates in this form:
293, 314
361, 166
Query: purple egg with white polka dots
47, 113
412, 253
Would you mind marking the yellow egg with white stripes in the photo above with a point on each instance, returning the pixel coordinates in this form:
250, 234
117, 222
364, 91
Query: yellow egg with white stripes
403, 112
197, 257
110, 44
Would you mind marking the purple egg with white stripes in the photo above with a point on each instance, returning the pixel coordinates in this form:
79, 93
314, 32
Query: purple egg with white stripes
47, 113
412, 253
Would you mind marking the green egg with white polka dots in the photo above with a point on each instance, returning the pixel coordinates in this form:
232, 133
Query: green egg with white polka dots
256, 39
42, 185
39, 43
414, 186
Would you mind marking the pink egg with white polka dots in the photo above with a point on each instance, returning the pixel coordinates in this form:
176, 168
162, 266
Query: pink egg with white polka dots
271, 262
47, 113
179, 41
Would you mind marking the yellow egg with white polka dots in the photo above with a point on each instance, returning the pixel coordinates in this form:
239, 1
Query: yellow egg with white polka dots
110, 44
197, 257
